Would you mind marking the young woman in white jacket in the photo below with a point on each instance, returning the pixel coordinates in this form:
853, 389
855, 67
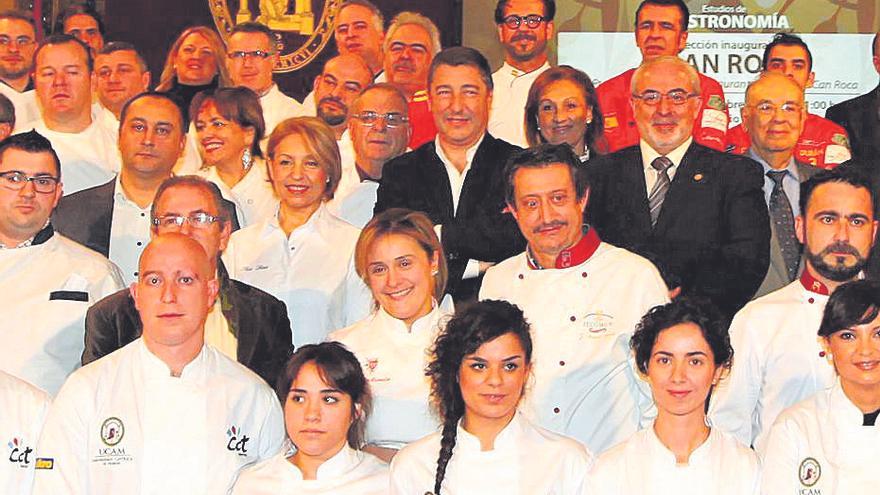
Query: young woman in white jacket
683, 350
829, 444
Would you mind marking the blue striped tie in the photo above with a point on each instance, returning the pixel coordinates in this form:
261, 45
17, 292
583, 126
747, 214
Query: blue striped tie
655, 200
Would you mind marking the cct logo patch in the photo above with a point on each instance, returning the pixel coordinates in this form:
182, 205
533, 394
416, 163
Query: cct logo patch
237, 441
809, 472
19, 453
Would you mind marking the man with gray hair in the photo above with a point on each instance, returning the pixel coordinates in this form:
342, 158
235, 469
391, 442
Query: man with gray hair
698, 214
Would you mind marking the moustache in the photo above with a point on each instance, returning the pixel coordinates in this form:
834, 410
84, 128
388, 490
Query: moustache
840, 247
404, 64
523, 35
549, 225
333, 99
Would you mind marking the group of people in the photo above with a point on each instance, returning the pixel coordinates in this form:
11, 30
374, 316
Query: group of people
429, 277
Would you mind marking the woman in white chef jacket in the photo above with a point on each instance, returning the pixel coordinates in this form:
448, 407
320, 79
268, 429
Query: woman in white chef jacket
480, 365
229, 126
682, 349
400, 258
303, 254
326, 402
830, 442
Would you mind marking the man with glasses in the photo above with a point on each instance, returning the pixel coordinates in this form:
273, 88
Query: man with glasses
17, 44
49, 281
661, 29
524, 27
244, 323
697, 213
773, 118
379, 129
250, 57
121, 73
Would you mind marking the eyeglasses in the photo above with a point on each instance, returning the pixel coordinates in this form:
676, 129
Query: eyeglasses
369, 119
21, 41
16, 180
531, 20
200, 220
677, 97
766, 109
240, 55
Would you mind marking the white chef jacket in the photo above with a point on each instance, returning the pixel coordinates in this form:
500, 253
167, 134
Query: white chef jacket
253, 195
107, 120
278, 107
355, 205
582, 318
506, 118
21, 419
123, 424
25, 105
394, 361
88, 158
189, 162
349, 472
643, 465
312, 271
526, 459
819, 447
776, 362
49, 287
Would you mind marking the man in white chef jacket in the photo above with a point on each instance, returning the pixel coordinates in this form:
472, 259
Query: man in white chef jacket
166, 413
583, 298
64, 85
17, 43
778, 359
524, 28
48, 281
21, 419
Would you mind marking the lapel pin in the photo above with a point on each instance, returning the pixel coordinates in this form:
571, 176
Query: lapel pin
698, 177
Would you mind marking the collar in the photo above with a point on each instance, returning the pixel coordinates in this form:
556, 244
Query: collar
841, 411
30, 86
580, 252
362, 175
469, 154
40, 237
791, 168
508, 69
508, 439
425, 325
155, 367
419, 96
270, 92
699, 455
311, 224
335, 467
811, 284
676, 155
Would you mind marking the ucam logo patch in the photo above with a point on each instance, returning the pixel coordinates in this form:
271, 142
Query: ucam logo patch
809, 473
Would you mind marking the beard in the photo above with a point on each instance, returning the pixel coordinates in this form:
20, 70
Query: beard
837, 272
330, 117
13, 74
528, 53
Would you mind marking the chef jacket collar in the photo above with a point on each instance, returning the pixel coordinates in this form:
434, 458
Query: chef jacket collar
423, 324
40, 237
155, 367
841, 411
508, 438
573, 256
700, 455
310, 226
813, 285
335, 467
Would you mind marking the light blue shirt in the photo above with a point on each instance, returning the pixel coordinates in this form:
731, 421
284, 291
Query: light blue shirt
791, 182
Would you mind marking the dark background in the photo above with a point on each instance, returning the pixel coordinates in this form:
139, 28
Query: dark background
153, 25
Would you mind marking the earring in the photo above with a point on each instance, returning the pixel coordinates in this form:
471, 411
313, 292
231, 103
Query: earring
434, 273
246, 159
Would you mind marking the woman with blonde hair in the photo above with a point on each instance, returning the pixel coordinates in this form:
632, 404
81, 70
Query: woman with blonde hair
399, 257
303, 254
195, 63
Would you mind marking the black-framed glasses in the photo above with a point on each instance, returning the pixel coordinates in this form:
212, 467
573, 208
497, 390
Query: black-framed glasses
676, 96
200, 220
16, 180
531, 20
241, 55
369, 119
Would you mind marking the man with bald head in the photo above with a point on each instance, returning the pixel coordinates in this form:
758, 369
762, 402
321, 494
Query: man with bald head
773, 117
861, 116
117, 421
697, 213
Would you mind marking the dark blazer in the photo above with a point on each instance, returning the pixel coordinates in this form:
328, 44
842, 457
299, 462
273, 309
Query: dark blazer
258, 319
860, 117
713, 234
479, 229
86, 216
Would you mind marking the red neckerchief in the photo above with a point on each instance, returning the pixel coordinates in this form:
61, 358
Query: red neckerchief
811, 284
573, 256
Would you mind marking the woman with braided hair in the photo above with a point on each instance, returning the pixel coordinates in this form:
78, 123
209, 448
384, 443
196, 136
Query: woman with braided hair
481, 362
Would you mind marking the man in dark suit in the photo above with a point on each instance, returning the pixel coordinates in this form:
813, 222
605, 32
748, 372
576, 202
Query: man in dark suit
457, 179
698, 214
246, 323
861, 116
773, 118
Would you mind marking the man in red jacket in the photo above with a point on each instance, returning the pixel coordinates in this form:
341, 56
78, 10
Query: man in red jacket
823, 143
660, 29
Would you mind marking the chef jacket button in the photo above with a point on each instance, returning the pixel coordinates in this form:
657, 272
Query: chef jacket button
556, 410
811, 300
520, 276
584, 274
250, 201
135, 274
572, 318
143, 214
139, 243
821, 353
561, 363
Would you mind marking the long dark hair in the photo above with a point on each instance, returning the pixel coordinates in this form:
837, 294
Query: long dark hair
471, 327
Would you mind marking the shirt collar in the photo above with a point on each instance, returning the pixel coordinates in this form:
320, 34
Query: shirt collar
469, 154
811, 284
40, 237
791, 168
675, 156
580, 252
512, 71
310, 226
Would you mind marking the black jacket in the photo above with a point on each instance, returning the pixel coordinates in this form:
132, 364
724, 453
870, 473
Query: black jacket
860, 117
258, 319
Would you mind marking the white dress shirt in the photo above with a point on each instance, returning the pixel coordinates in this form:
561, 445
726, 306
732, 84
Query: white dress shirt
349, 472
582, 317
88, 158
643, 465
253, 195
777, 362
394, 359
649, 154
312, 271
50, 286
278, 107
819, 447
350, 178
26, 108
129, 233
123, 424
356, 205
506, 118
21, 419
526, 459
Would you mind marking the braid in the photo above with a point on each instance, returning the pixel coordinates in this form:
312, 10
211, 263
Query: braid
447, 443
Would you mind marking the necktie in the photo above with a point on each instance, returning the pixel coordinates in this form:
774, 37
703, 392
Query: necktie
783, 221
655, 200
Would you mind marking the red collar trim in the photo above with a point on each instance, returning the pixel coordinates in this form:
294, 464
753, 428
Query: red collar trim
811, 284
573, 256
